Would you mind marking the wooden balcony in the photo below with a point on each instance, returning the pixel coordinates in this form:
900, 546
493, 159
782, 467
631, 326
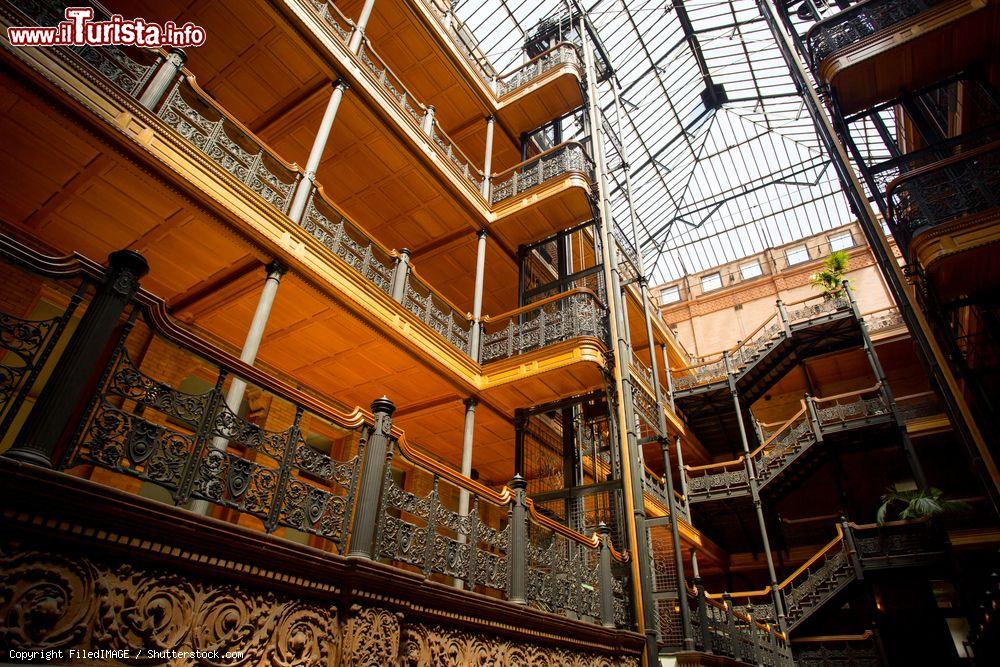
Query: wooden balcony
876, 49
946, 217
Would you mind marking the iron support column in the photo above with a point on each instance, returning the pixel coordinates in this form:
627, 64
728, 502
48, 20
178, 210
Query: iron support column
67, 388
238, 386
930, 351
779, 610
631, 457
488, 159
475, 336
305, 186
167, 73
468, 435
369, 490
908, 451
399, 274
354, 44
666, 375
427, 124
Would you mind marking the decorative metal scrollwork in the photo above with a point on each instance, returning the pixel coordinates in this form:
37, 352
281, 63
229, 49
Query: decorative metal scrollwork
570, 157
563, 54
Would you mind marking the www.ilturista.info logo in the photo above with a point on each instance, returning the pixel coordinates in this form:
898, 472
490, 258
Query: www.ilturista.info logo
80, 29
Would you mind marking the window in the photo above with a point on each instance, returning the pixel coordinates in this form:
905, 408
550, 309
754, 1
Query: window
750, 269
797, 255
841, 240
711, 281
670, 294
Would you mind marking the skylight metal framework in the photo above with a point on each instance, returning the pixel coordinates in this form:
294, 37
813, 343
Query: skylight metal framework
725, 161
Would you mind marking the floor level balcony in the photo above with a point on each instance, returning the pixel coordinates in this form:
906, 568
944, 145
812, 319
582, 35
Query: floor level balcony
875, 49
946, 218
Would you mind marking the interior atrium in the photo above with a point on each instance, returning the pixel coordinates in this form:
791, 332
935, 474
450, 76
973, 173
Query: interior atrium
500, 332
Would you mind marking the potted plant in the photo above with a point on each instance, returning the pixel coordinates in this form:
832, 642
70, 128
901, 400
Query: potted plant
830, 279
916, 504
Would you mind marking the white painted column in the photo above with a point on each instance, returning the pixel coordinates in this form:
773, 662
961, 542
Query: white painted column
467, 441
305, 186
477, 298
359, 26
488, 159
238, 387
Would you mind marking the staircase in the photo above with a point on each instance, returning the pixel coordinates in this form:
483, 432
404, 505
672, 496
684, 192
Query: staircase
785, 442
854, 552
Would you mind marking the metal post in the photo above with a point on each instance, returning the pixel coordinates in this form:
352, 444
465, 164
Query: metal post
783, 316
631, 456
727, 600
706, 631
475, 336
165, 76
908, 451
305, 185
399, 274
852, 549
360, 25
667, 376
251, 345
427, 125
675, 540
467, 442
605, 577
817, 428
488, 159
755, 494
680, 472
518, 542
61, 397
930, 351
369, 493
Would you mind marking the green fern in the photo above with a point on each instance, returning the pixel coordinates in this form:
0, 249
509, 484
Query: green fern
916, 504
830, 280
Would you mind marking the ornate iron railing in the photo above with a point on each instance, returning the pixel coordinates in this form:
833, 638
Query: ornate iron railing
465, 40
25, 346
855, 548
438, 313
130, 69
197, 118
577, 313
721, 628
566, 158
628, 262
884, 320
856, 650
565, 53
456, 160
302, 465
784, 442
714, 368
857, 23
924, 404
925, 198
349, 242
333, 17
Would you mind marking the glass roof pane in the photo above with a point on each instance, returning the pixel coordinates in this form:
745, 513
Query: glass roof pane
709, 184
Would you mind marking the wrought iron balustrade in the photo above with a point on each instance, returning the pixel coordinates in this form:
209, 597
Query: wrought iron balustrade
130, 69
196, 117
705, 372
884, 320
159, 414
628, 262
856, 650
333, 17
565, 53
854, 549
916, 406
438, 313
566, 158
349, 242
816, 306
784, 442
464, 39
456, 160
857, 23
721, 628
939, 193
577, 313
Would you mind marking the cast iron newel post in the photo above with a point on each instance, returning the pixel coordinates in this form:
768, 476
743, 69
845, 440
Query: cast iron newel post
518, 542
67, 388
167, 72
606, 577
366, 504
